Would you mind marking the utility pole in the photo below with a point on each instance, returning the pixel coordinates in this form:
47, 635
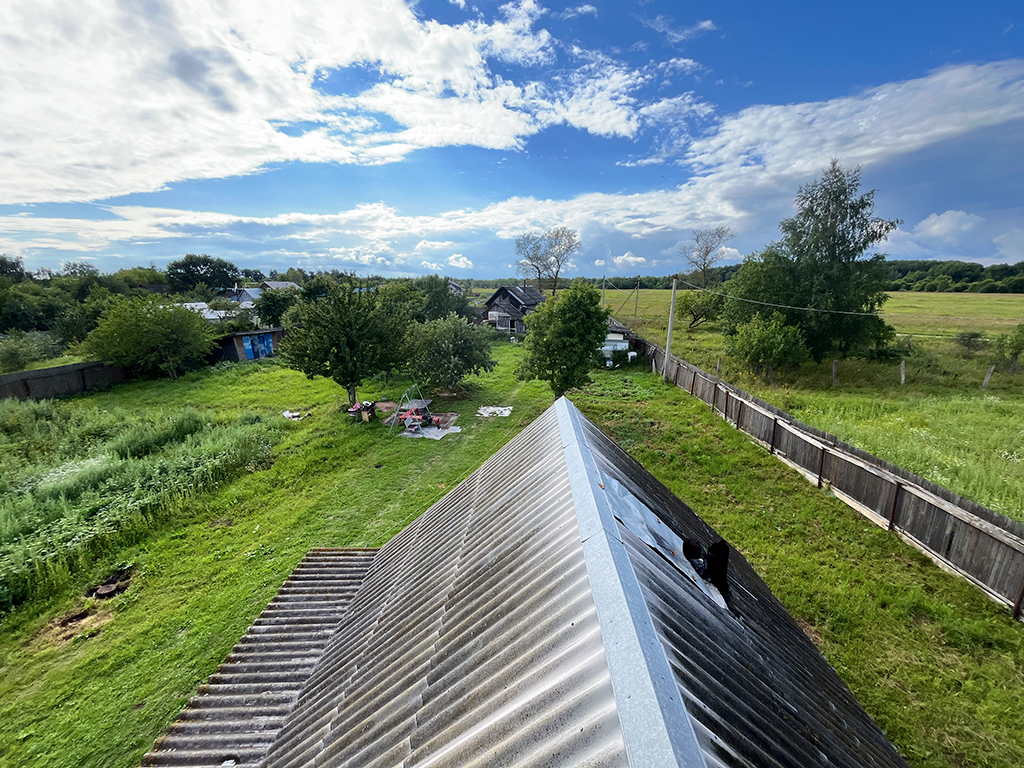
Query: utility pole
604, 280
636, 304
668, 341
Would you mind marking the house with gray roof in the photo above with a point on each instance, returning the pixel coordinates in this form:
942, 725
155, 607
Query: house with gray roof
559, 607
279, 285
509, 305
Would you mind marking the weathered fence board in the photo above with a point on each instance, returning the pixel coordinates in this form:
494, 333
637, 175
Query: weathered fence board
983, 546
62, 380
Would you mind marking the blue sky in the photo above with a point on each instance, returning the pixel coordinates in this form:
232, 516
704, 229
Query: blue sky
404, 138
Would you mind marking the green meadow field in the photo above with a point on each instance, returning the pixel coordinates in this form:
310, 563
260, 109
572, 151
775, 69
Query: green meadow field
87, 682
941, 425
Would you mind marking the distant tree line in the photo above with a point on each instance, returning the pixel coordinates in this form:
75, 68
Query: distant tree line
955, 276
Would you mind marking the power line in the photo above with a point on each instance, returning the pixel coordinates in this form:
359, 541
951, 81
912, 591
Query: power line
779, 306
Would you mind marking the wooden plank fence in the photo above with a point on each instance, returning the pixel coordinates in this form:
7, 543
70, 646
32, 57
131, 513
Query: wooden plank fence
959, 534
60, 380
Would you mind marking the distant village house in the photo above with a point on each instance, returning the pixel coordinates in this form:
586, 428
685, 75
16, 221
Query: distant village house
509, 305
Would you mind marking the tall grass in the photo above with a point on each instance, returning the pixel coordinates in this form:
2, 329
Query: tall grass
80, 483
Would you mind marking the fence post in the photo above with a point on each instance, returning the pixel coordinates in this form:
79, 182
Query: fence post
771, 445
739, 413
693, 382
1018, 601
668, 341
714, 397
903, 373
895, 502
718, 368
821, 465
988, 377
725, 410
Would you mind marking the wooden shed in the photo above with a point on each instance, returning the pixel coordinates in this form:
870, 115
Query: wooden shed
248, 345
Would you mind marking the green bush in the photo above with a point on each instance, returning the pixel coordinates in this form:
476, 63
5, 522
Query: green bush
149, 336
768, 345
19, 350
441, 353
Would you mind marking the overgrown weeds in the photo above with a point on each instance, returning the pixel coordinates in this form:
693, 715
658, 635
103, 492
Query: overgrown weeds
77, 483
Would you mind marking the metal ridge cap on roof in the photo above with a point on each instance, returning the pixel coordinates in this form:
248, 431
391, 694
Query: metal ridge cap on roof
656, 728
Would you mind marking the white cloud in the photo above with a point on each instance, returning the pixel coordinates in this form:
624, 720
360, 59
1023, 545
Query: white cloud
1011, 245
117, 98
628, 259
797, 140
729, 254
664, 25
432, 245
599, 262
949, 227
578, 10
748, 170
431, 266
460, 261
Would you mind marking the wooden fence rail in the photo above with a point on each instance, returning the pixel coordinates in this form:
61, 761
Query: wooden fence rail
979, 544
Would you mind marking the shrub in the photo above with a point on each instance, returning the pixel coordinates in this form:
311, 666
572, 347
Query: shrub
971, 341
149, 336
19, 350
766, 345
441, 353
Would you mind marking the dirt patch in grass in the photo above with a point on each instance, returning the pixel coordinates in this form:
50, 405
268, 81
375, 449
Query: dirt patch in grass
808, 629
79, 622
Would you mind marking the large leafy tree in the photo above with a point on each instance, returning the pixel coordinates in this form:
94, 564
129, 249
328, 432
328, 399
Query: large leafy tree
149, 336
347, 333
438, 299
272, 303
441, 353
820, 275
186, 273
564, 335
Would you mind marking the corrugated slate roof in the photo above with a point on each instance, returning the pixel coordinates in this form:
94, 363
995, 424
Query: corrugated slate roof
234, 718
542, 614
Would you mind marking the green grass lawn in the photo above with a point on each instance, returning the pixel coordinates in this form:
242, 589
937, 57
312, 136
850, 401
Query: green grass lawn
85, 683
98, 691
942, 425
947, 314
937, 665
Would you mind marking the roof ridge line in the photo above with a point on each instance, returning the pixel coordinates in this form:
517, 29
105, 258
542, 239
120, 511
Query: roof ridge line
656, 728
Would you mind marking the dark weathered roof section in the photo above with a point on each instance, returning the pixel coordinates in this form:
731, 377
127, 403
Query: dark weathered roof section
757, 690
525, 296
474, 640
237, 714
